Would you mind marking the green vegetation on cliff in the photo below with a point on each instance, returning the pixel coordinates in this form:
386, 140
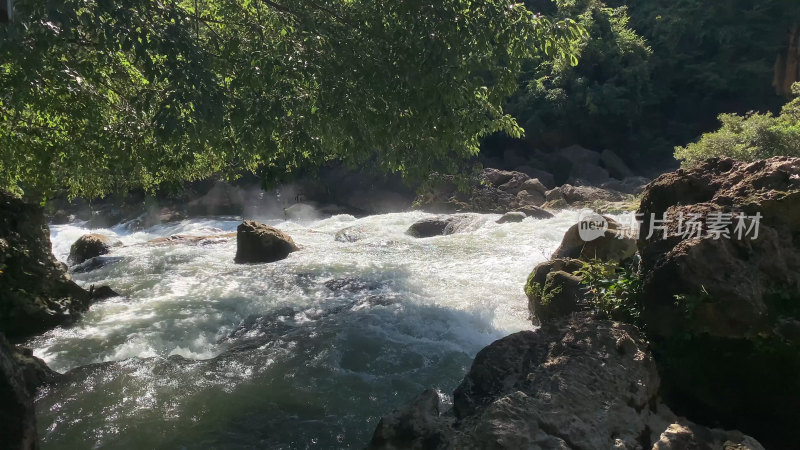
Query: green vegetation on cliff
750, 137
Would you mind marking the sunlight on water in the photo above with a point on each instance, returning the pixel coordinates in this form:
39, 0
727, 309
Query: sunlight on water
303, 353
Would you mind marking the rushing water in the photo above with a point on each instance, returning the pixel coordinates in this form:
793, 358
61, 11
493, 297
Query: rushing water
307, 352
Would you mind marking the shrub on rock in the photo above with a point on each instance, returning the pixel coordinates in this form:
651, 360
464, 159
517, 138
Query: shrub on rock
259, 243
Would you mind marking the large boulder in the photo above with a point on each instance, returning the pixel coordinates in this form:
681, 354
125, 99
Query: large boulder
259, 243
89, 246
713, 302
36, 293
610, 242
578, 384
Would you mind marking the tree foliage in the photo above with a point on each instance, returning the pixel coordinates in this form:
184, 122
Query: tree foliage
100, 96
709, 58
749, 137
654, 74
597, 102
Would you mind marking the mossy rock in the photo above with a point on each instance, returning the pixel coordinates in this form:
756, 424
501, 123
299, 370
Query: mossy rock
555, 291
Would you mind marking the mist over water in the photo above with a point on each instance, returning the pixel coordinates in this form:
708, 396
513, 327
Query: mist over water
307, 352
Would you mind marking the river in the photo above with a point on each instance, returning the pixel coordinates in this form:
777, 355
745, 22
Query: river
307, 352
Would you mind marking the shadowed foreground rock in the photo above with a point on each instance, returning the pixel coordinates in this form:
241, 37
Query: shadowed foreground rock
36, 293
724, 314
259, 243
21, 374
576, 384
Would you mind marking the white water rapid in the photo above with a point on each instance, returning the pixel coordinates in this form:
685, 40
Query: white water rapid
307, 352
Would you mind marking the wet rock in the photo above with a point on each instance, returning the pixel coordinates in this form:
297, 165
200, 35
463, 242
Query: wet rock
89, 246
512, 217
102, 292
579, 383
438, 226
613, 244
259, 243
554, 291
98, 262
36, 292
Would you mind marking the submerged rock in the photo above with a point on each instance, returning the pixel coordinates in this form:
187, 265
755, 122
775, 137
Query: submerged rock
577, 384
259, 243
102, 292
89, 246
535, 212
36, 293
512, 217
440, 226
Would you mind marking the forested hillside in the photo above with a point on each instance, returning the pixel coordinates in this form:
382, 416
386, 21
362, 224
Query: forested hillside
654, 74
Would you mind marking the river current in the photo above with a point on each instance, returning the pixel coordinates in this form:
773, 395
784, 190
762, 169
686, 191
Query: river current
308, 352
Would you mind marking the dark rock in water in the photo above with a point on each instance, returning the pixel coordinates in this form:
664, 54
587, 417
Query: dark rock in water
350, 234
98, 262
580, 383
36, 293
437, 226
102, 293
181, 239
259, 243
609, 243
349, 284
512, 217
89, 246
60, 217
20, 374
554, 291
720, 310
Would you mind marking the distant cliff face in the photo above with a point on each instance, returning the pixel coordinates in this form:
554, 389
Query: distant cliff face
35, 291
787, 66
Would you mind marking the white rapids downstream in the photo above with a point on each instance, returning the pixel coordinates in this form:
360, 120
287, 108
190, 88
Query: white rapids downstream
307, 352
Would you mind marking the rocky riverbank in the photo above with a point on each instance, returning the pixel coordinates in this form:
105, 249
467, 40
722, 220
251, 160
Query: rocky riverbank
719, 313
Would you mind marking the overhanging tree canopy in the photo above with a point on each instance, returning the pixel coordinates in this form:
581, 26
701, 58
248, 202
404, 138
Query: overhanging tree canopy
99, 95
